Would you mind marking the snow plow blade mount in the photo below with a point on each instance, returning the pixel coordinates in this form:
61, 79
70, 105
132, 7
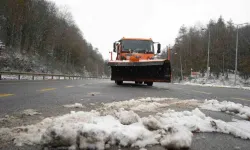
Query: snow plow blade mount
142, 71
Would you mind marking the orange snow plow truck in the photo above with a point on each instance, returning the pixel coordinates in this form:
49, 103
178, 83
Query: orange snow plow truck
136, 61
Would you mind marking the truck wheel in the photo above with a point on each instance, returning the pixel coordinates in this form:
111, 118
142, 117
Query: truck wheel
118, 82
149, 83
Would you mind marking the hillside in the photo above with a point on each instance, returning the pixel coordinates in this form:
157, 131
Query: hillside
39, 37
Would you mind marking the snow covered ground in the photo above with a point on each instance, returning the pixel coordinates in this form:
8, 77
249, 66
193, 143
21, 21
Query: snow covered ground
17, 62
120, 123
215, 85
220, 82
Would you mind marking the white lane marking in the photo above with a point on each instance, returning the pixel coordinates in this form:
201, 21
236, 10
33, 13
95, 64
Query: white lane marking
201, 92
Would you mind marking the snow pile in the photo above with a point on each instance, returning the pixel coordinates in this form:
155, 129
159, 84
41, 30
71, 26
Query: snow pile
127, 117
76, 105
148, 107
52, 131
242, 124
228, 107
176, 137
91, 130
149, 104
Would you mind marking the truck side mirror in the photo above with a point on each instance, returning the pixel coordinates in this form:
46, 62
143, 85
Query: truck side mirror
158, 48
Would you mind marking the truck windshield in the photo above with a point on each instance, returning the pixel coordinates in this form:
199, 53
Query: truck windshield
138, 46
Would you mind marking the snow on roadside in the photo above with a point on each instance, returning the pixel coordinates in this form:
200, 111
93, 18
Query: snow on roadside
228, 107
84, 130
76, 105
220, 81
215, 85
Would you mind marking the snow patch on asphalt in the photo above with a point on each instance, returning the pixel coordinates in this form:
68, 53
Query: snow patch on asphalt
228, 107
92, 104
76, 105
30, 112
94, 93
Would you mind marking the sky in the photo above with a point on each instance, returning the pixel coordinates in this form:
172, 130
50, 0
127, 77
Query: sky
106, 21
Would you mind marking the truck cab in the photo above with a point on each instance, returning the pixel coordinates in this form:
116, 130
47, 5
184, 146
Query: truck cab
141, 48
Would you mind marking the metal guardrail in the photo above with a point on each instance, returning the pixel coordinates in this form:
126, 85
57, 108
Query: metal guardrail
41, 74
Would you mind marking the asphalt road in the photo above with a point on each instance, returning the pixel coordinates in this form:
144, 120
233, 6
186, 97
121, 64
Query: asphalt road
48, 97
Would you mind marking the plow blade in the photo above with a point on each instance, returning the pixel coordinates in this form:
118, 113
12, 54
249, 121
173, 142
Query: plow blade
142, 71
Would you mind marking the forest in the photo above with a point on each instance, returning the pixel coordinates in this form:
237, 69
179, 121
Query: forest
191, 49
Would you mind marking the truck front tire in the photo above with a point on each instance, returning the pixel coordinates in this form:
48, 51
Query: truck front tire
119, 82
149, 83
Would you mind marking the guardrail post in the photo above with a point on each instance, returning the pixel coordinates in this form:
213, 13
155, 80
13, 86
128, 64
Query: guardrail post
69, 78
64, 77
43, 77
52, 77
0, 77
73, 78
19, 77
33, 77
